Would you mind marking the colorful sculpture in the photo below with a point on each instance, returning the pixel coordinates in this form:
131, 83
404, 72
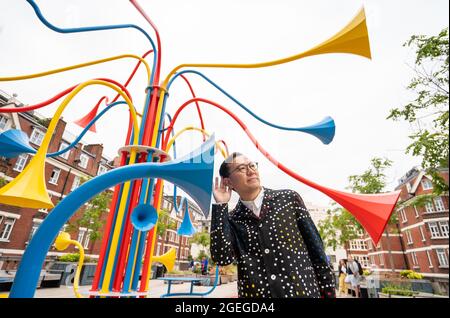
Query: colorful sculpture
129, 234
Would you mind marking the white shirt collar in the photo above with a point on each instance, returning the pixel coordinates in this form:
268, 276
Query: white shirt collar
255, 205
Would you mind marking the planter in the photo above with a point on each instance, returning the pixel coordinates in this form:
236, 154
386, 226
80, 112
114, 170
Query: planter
384, 295
67, 271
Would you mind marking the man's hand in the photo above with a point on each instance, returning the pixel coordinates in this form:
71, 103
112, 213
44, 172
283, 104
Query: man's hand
222, 193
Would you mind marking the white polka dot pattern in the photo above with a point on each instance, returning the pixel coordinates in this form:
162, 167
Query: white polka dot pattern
279, 254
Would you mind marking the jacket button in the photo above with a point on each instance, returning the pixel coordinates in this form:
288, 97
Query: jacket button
273, 277
266, 251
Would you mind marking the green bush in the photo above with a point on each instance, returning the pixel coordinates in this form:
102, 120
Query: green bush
366, 272
400, 292
74, 258
410, 274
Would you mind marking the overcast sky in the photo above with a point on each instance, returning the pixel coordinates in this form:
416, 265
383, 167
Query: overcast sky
357, 92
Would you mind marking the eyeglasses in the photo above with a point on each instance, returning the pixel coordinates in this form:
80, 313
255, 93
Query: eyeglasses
252, 166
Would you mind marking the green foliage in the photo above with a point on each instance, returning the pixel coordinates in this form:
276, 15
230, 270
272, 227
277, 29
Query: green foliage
367, 272
201, 238
91, 218
44, 121
410, 274
74, 258
3, 182
430, 86
202, 254
400, 290
164, 222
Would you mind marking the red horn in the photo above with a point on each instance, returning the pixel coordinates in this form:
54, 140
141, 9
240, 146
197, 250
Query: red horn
84, 121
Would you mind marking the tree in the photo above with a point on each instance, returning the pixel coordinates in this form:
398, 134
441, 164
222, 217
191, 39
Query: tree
203, 239
340, 226
91, 218
164, 222
430, 86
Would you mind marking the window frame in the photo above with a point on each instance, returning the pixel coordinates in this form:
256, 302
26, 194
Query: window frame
428, 183
52, 179
434, 225
21, 162
84, 166
5, 121
37, 136
62, 146
441, 251
7, 223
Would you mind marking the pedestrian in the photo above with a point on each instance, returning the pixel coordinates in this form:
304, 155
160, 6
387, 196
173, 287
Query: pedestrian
204, 265
270, 234
342, 276
353, 270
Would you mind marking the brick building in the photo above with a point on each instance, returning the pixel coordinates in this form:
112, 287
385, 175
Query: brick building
419, 240
63, 174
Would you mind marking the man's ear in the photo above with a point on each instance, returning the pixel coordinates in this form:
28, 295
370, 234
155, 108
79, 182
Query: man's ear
227, 182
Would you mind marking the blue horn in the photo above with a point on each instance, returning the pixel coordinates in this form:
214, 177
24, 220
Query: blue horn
13, 143
144, 217
186, 228
323, 130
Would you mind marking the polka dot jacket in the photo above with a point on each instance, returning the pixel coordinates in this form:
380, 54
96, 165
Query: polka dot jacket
278, 254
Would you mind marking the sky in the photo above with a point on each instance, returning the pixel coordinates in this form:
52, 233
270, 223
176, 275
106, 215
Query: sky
356, 92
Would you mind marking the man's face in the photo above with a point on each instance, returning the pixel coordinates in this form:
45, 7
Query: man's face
243, 178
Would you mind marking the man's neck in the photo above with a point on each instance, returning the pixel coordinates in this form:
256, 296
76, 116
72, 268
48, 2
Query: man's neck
250, 196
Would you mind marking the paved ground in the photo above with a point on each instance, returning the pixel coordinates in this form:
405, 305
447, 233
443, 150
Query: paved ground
156, 289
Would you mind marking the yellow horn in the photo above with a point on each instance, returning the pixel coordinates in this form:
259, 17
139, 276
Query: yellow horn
167, 259
28, 188
353, 38
63, 241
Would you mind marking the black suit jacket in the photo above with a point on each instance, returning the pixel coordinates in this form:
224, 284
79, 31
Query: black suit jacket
279, 254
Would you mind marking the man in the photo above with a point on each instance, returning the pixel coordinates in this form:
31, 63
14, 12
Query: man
270, 234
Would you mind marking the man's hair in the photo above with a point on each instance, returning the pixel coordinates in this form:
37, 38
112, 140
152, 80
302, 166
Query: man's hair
224, 170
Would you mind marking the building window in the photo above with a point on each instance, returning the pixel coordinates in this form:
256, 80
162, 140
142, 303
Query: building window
21, 162
84, 159
444, 228
101, 170
422, 234
76, 182
403, 215
34, 228
37, 136
434, 230
409, 239
62, 146
416, 213
442, 257
3, 122
81, 232
6, 229
87, 239
414, 258
381, 258
429, 259
369, 243
353, 245
439, 204
429, 207
426, 184
54, 176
